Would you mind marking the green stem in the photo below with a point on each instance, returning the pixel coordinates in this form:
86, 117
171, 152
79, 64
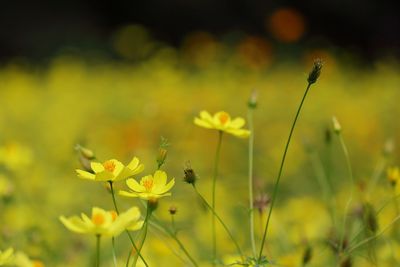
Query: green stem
113, 251
127, 232
174, 236
276, 187
251, 199
323, 181
97, 264
222, 223
214, 183
372, 237
349, 168
144, 232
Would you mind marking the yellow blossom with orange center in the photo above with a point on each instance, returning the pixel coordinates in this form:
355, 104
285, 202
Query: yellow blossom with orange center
149, 187
222, 121
105, 223
111, 170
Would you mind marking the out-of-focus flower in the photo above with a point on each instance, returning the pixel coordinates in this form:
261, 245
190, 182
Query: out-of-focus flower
150, 186
222, 121
22, 260
393, 176
14, 155
6, 187
105, 223
111, 170
6, 257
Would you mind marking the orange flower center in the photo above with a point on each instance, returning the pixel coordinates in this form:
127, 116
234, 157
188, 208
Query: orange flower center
98, 219
223, 117
37, 264
109, 166
114, 215
148, 184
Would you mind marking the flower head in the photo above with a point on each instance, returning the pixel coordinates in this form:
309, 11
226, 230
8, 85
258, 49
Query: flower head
6, 257
222, 121
111, 170
105, 223
393, 175
150, 186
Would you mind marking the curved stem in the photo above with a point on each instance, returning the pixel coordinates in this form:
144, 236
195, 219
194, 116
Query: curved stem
251, 155
278, 178
97, 264
144, 232
113, 251
214, 183
127, 232
347, 157
222, 223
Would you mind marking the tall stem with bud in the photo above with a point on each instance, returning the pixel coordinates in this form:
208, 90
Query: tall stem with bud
312, 78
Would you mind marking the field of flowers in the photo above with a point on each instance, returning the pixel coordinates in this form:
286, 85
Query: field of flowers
337, 200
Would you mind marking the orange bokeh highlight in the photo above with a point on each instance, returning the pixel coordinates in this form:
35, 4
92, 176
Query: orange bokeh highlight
255, 52
286, 24
200, 48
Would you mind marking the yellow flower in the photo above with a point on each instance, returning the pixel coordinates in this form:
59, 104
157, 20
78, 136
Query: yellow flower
222, 121
22, 260
111, 170
105, 223
393, 175
6, 257
150, 187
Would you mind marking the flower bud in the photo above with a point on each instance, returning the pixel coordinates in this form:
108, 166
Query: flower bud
252, 103
152, 204
162, 155
190, 176
172, 210
337, 128
315, 72
307, 255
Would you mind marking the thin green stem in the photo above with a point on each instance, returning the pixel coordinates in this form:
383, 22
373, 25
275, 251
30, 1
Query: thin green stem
373, 237
127, 232
251, 199
323, 181
98, 237
173, 235
350, 170
144, 232
222, 223
214, 184
113, 251
278, 178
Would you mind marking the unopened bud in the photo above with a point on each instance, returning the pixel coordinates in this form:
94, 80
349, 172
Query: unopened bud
190, 176
336, 125
252, 103
152, 204
393, 176
85, 152
315, 72
388, 147
307, 255
162, 155
85, 156
172, 210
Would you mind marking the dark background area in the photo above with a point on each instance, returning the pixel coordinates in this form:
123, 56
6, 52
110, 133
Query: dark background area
39, 29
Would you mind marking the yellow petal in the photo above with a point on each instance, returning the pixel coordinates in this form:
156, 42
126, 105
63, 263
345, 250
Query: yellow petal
237, 123
97, 167
136, 226
74, 224
85, 175
202, 123
133, 164
127, 194
166, 188
135, 186
242, 133
160, 178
